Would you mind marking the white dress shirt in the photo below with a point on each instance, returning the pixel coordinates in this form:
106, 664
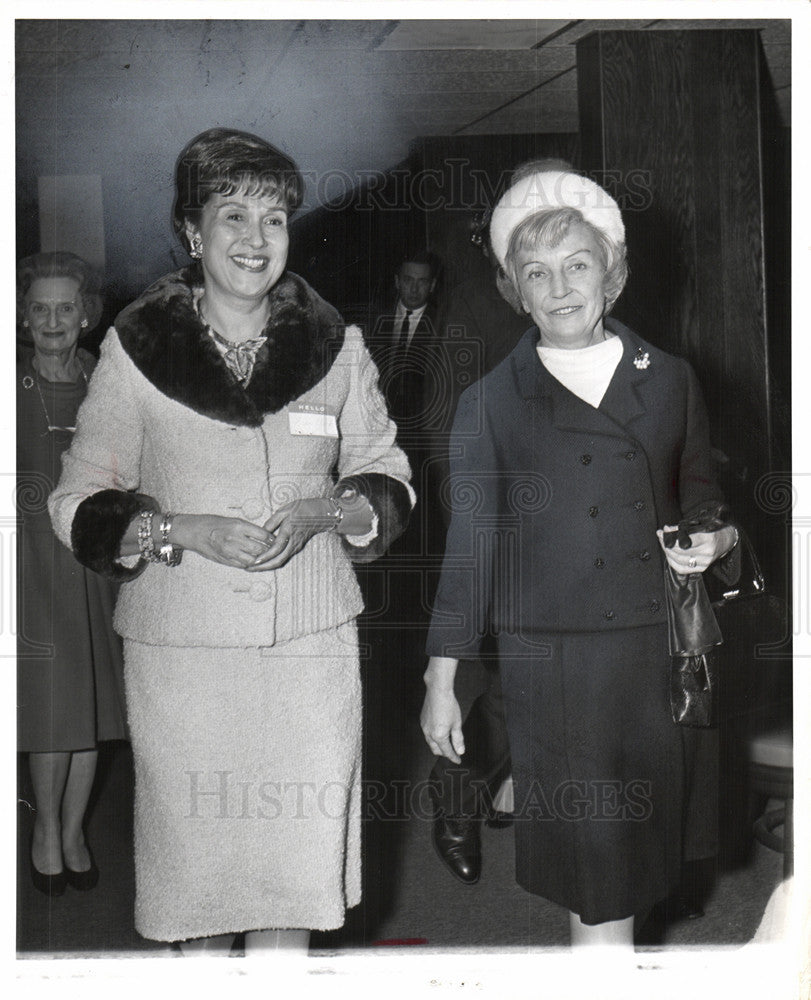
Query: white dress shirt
413, 322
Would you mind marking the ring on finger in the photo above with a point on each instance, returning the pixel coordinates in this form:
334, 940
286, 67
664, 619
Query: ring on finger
692, 562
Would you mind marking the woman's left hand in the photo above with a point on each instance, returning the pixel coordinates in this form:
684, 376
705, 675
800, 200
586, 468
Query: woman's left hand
706, 548
293, 525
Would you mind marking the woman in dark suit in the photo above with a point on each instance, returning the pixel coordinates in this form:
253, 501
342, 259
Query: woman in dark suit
574, 454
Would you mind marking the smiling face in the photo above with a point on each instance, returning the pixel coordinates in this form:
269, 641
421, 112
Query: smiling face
563, 288
54, 313
245, 243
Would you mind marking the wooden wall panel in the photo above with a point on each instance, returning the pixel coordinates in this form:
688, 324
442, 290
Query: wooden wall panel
692, 112
683, 107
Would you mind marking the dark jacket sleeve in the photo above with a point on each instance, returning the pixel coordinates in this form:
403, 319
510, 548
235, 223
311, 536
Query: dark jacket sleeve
462, 604
697, 480
698, 484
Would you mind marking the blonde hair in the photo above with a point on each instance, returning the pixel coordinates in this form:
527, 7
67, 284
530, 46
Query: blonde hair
549, 226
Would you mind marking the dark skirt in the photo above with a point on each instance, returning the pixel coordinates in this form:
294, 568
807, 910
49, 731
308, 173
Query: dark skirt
70, 681
611, 797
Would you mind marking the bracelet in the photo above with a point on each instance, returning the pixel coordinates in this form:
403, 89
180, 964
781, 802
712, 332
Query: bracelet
169, 554
146, 546
336, 512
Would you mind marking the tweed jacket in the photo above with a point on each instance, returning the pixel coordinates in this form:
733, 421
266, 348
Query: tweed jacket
556, 503
166, 423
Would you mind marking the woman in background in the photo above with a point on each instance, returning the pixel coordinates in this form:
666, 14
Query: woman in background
70, 692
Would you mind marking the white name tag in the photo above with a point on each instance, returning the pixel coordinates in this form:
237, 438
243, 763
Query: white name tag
312, 420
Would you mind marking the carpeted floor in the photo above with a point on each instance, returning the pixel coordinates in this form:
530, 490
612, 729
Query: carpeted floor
409, 899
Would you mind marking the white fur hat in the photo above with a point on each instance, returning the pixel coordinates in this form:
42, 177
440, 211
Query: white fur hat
553, 189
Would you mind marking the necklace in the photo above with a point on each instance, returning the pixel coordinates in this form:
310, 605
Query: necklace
240, 357
29, 383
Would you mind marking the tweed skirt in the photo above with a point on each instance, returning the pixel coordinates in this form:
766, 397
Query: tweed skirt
247, 785
611, 796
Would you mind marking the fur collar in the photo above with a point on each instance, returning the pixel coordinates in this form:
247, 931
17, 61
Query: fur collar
167, 341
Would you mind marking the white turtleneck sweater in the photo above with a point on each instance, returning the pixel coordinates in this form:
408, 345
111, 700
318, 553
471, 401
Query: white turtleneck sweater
587, 371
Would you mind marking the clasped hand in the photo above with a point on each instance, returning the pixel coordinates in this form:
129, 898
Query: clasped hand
290, 528
234, 542
705, 548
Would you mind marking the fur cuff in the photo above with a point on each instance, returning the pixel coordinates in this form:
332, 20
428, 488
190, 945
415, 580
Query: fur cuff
392, 504
99, 525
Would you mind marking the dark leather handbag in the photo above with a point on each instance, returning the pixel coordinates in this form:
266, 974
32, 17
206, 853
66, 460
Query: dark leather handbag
693, 635
750, 582
693, 631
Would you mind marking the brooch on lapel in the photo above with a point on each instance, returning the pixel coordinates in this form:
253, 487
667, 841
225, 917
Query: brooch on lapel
642, 359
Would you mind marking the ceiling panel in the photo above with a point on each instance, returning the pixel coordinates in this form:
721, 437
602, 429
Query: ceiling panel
333, 92
495, 35
471, 61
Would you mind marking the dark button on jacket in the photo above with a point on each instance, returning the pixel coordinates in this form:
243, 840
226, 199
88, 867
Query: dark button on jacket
518, 417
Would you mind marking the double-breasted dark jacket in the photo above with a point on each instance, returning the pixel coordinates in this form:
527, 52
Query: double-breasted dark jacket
556, 503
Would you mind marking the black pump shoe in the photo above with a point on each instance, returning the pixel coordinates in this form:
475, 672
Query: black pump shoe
50, 885
83, 881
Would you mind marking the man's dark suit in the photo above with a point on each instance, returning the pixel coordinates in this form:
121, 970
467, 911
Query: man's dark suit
405, 374
409, 377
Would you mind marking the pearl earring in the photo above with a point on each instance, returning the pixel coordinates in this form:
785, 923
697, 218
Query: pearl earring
196, 250
83, 324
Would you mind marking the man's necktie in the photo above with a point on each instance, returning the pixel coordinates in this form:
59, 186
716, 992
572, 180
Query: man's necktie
404, 328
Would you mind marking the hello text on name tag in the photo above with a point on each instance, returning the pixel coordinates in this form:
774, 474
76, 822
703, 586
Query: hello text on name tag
312, 420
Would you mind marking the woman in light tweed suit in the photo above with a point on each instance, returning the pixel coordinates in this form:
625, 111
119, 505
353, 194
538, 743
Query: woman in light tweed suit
231, 394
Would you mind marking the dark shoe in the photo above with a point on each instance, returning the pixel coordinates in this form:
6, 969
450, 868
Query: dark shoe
458, 844
83, 881
499, 820
50, 885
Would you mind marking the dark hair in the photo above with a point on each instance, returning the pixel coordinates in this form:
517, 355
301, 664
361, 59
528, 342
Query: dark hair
61, 264
420, 256
222, 161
